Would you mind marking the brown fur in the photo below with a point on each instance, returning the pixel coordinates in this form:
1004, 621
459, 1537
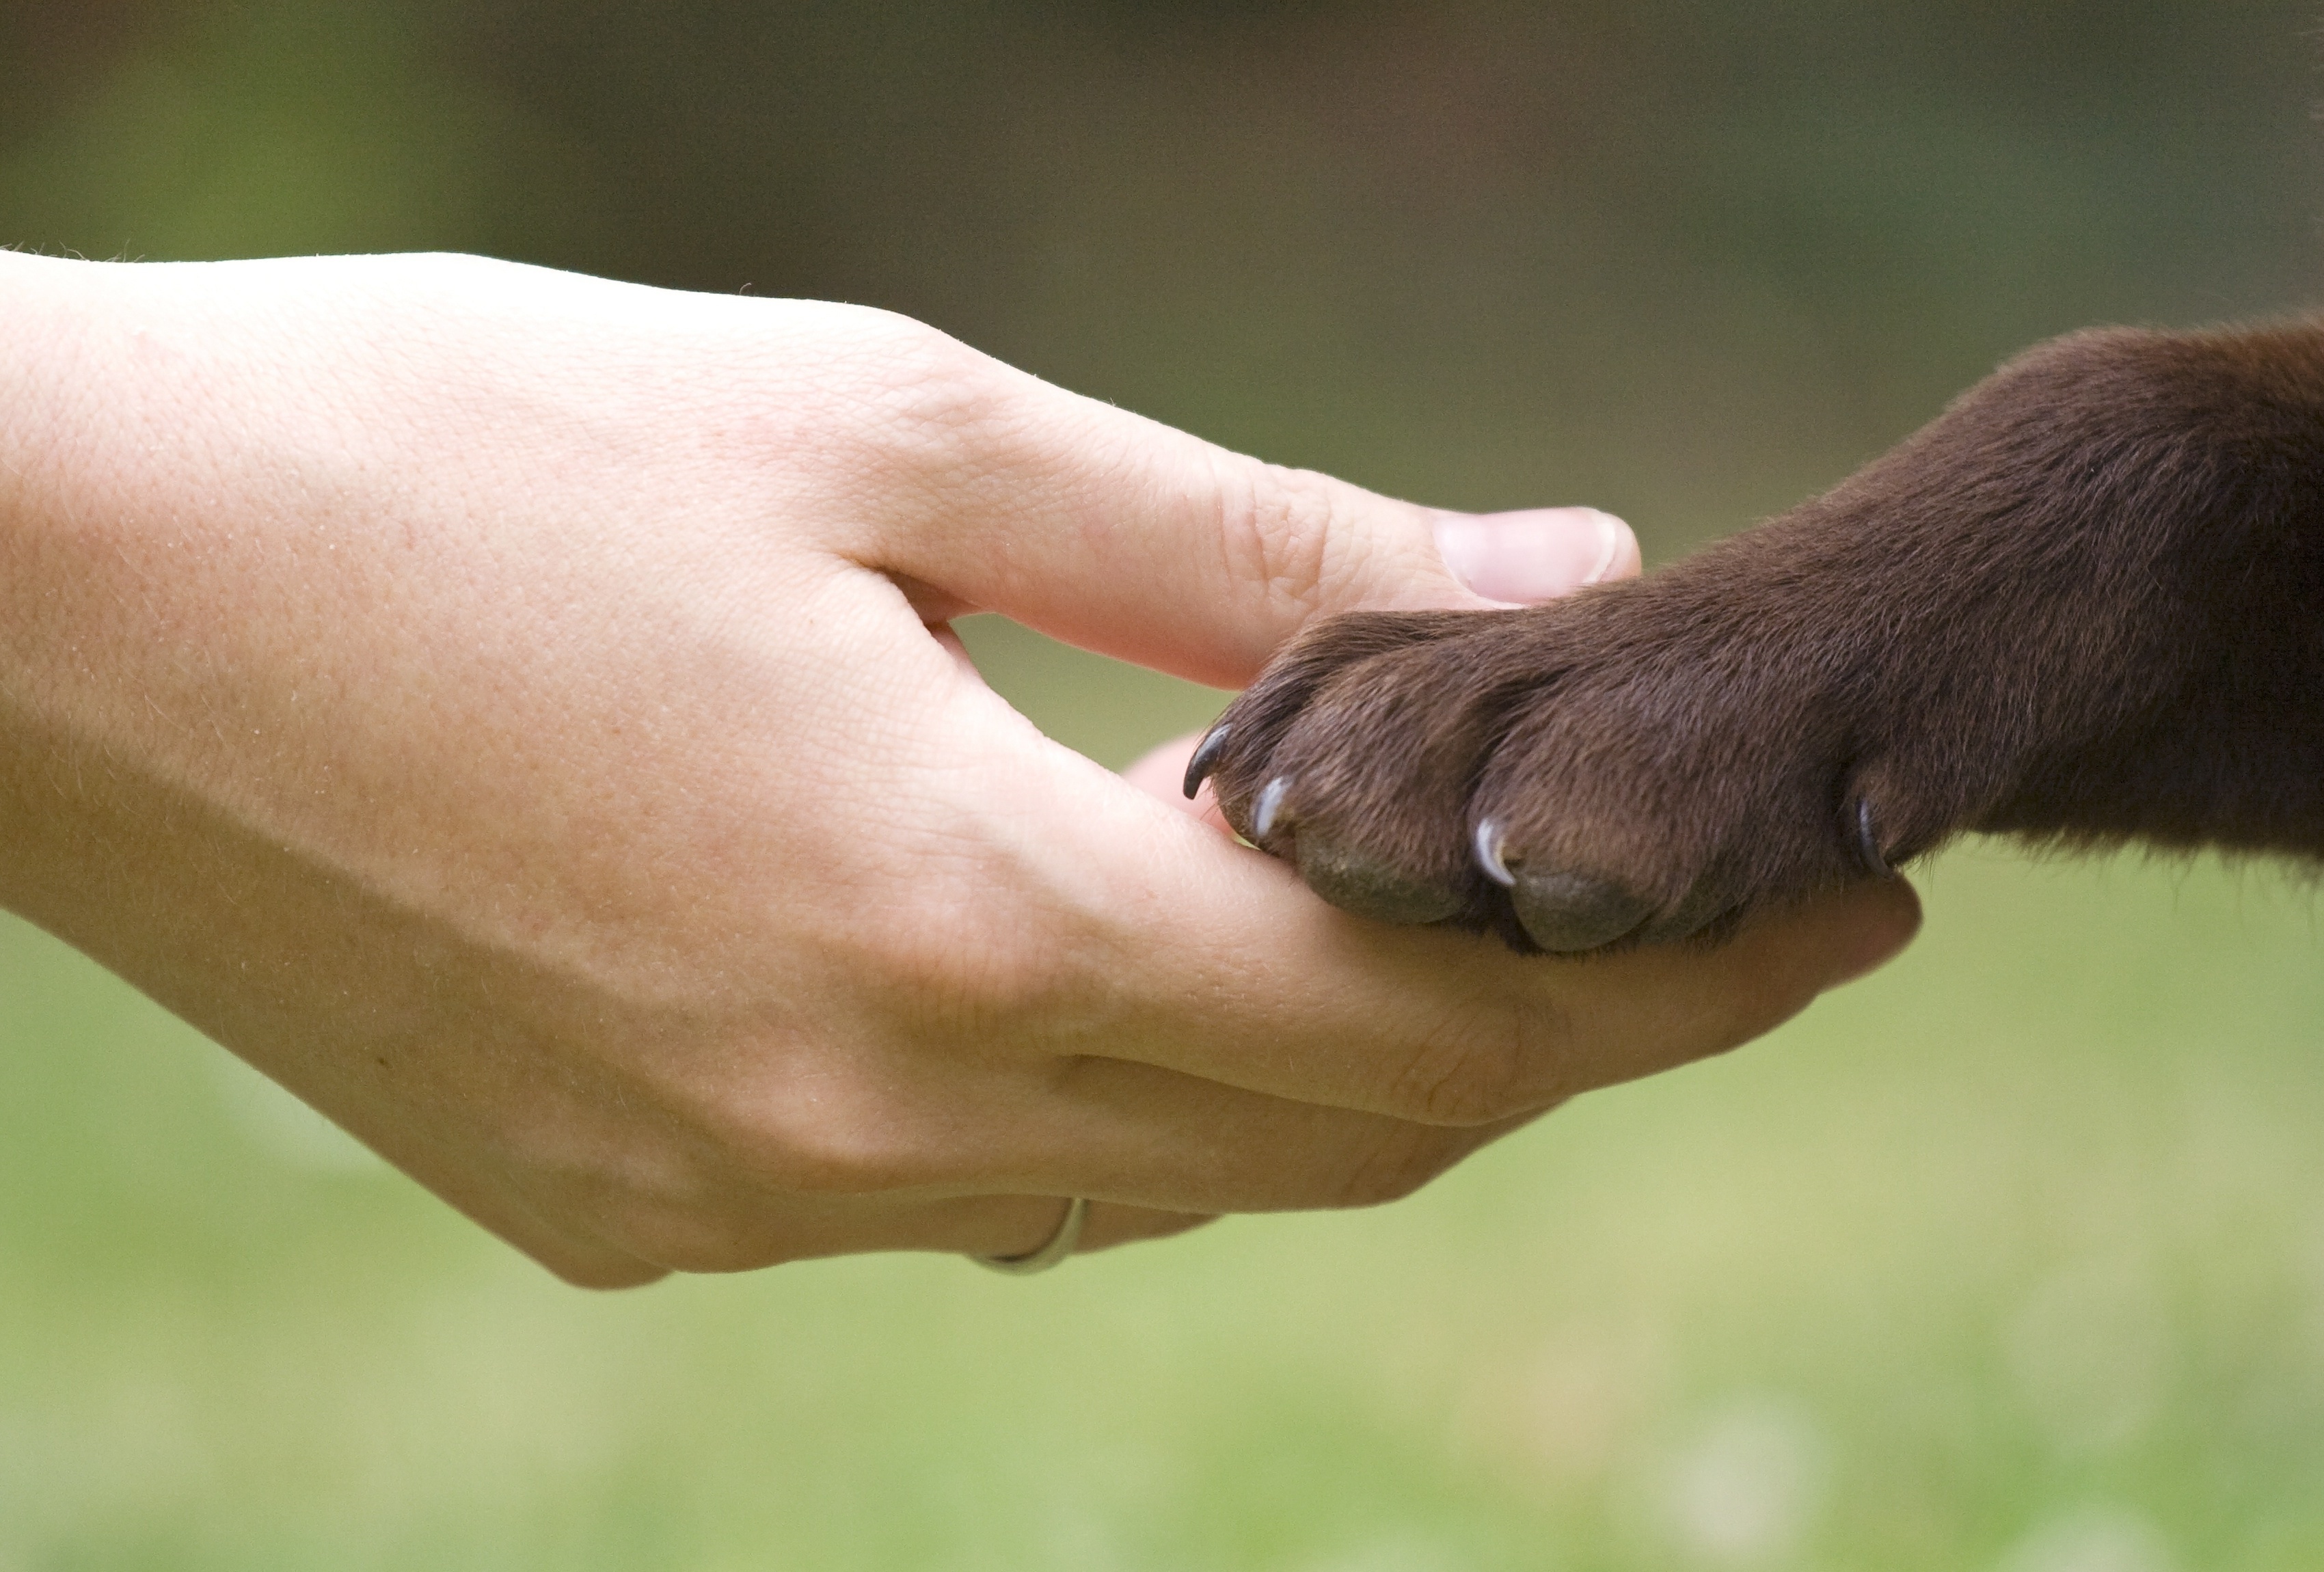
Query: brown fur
2087, 604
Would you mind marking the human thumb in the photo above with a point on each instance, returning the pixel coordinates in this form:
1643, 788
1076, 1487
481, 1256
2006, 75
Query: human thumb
1124, 536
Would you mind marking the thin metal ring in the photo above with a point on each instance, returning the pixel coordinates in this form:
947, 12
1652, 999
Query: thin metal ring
1051, 1251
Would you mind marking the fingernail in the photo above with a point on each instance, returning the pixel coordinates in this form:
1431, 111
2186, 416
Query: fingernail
1534, 553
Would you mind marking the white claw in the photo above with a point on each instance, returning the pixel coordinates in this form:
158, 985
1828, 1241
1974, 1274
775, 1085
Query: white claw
1270, 799
1488, 854
1868, 840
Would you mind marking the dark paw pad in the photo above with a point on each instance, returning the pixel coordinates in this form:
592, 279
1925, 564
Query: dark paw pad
1369, 885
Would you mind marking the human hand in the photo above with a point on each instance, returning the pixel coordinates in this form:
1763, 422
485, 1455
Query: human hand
512, 710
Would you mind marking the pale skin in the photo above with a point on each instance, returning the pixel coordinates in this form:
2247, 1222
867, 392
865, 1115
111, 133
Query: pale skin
515, 711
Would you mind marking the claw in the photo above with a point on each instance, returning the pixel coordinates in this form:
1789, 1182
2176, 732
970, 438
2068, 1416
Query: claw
1487, 844
1868, 841
1270, 802
1206, 754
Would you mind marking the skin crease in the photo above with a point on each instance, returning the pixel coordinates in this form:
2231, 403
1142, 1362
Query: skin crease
512, 710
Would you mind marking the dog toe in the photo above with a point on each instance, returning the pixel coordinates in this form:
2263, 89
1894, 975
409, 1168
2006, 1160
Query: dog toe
1567, 913
1369, 885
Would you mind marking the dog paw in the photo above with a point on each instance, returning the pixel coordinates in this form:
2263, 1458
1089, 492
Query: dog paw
2077, 606
1640, 764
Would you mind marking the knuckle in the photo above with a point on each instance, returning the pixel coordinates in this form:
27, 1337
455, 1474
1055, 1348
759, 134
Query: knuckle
601, 1277
822, 1125
978, 993
926, 390
836, 1157
1282, 530
702, 1251
740, 1211
1470, 1071
680, 1233
1396, 1165
834, 1139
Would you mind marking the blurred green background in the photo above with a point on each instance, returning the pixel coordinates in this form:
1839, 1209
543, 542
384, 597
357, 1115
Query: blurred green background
2011, 1258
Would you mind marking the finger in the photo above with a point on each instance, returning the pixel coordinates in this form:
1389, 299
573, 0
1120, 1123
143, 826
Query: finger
771, 1229
1239, 975
580, 1256
1110, 1226
997, 1229
976, 1163
1131, 1132
1000, 1226
1446, 1028
585, 1262
1123, 535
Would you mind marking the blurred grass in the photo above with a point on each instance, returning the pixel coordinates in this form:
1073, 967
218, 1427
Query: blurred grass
2024, 1234
2010, 1258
